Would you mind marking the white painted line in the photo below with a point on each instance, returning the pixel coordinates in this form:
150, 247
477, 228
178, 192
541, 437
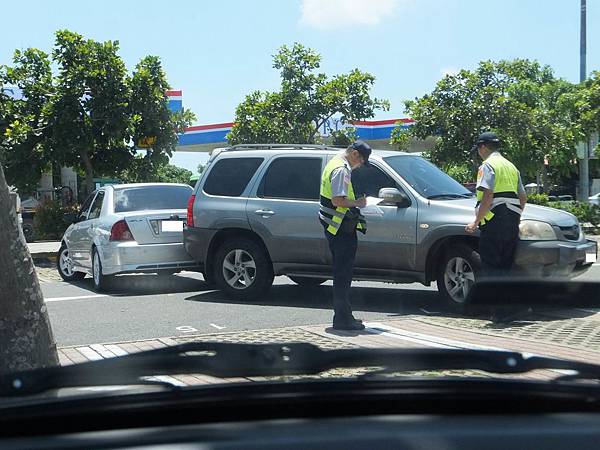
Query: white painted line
425, 339
89, 353
186, 329
79, 297
217, 326
439, 342
165, 379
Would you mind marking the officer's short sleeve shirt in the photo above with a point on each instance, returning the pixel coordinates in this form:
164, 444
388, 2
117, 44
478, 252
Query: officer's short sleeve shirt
340, 180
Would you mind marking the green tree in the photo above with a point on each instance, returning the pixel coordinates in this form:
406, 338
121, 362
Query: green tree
99, 113
400, 137
143, 169
89, 113
305, 101
201, 168
343, 137
24, 118
150, 114
531, 110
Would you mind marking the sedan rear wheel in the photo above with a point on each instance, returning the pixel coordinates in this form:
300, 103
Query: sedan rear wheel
101, 281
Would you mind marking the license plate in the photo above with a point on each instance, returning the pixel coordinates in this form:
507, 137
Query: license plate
172, 225
590, 257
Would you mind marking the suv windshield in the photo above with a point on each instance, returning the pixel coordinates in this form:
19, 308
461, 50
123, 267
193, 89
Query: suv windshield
425, 178
151, 197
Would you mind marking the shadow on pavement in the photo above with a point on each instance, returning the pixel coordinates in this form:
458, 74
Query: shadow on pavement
392, 301
150, 284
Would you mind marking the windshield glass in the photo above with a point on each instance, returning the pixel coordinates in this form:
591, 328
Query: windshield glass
426, 178
151, 197
275, 172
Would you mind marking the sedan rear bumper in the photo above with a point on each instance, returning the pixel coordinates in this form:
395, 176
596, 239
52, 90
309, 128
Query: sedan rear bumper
554, 258
127, 257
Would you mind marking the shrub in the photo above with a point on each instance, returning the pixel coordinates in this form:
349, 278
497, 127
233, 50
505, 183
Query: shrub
461, 173
538, 199
584, 212
49, 221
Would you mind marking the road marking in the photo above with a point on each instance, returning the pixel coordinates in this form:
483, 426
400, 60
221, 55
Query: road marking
423, 339
79, 297
186, 329
217, 326
439, 342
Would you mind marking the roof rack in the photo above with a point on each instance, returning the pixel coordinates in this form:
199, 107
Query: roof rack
238, 147
274, 146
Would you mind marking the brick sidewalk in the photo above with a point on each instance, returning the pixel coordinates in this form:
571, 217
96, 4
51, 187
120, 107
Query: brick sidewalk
407, 332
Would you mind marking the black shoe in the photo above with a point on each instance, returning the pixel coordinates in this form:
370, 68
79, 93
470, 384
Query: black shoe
350, 326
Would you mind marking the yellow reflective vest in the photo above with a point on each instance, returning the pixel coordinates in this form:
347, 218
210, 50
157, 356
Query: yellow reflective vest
506, 186
330, 216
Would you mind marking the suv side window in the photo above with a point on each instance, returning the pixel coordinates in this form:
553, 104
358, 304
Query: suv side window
83, 212
292, 178
369, 180
96, 206
229, 177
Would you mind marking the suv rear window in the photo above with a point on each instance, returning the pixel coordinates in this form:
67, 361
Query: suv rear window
292, 178
151, 197
229, 177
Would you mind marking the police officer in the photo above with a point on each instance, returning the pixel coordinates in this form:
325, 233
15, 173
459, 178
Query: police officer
341, 218
500, 202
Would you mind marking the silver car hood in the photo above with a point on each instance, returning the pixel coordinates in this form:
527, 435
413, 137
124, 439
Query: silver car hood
532, 212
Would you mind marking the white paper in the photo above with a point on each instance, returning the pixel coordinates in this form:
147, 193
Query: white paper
373, 201
172, 225
372, 209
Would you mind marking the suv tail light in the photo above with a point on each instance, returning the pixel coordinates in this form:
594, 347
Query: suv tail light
190, 211
120, 232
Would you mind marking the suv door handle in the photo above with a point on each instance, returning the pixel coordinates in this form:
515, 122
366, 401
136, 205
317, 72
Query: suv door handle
264, 212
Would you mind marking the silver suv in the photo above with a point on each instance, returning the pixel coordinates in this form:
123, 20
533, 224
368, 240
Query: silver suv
254, 215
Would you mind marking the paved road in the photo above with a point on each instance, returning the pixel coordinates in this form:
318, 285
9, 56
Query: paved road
148, 306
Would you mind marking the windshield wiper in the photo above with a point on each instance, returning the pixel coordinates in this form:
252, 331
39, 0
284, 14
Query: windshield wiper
450, 195
228, 360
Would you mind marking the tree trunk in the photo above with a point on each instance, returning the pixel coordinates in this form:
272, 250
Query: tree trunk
89, 171
26, 340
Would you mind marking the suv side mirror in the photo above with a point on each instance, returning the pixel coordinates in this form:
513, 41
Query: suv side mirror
71, 217
393, 197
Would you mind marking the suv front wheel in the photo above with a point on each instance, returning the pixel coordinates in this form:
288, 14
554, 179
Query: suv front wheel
456, 275
243, 270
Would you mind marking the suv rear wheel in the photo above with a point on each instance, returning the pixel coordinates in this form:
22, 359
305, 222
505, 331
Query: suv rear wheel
243, 270
456, 275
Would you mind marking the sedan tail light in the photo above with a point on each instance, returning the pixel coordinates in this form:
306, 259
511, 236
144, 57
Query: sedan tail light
120, 232
190, 211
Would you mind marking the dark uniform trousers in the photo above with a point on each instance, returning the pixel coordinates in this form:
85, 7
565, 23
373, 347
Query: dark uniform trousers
498, 242
343, 251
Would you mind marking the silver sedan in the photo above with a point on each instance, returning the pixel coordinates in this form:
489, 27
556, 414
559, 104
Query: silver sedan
127, 228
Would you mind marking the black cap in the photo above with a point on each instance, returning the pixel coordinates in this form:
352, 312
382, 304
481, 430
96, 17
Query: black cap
364, 149
484, 138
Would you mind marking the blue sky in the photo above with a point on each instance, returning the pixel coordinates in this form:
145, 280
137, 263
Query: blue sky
217, 52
